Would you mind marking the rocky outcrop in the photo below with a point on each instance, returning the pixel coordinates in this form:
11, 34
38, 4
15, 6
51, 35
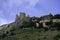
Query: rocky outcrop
3, 26
3, 29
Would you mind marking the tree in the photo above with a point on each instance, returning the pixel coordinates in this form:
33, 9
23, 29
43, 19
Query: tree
57, 16
57, 37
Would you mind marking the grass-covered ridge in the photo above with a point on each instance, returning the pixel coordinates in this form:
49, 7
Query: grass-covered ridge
33, 34
34, 29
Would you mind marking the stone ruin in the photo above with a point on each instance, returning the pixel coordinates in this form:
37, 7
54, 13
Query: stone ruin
21, 18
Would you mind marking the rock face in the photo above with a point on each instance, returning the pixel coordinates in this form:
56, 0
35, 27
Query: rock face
3, 28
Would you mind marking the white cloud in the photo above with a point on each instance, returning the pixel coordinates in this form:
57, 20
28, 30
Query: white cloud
8, 7
3, 21
19, 3
14, 2
32, 3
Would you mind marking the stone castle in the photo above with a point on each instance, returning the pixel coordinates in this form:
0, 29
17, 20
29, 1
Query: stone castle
22, 16
20, 19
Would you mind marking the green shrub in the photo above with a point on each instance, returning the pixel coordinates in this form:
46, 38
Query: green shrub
3, 36
57, 37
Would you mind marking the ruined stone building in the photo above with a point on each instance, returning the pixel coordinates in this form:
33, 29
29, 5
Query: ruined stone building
48, 18
21, 18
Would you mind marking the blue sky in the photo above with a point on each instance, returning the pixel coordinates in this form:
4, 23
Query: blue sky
9, 8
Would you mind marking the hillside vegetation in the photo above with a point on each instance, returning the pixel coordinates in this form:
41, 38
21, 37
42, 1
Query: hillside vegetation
33, 34
23, 29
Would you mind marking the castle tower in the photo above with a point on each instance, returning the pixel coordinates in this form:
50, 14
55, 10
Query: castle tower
22, 15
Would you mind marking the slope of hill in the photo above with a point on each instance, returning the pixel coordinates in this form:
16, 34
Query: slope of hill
32, 28
33, 34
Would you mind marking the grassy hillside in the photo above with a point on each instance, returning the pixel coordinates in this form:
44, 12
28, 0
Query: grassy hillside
33, 34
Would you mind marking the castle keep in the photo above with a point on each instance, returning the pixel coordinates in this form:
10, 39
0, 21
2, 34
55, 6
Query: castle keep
22, 16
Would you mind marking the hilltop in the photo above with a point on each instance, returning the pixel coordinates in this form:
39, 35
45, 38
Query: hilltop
32, 28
